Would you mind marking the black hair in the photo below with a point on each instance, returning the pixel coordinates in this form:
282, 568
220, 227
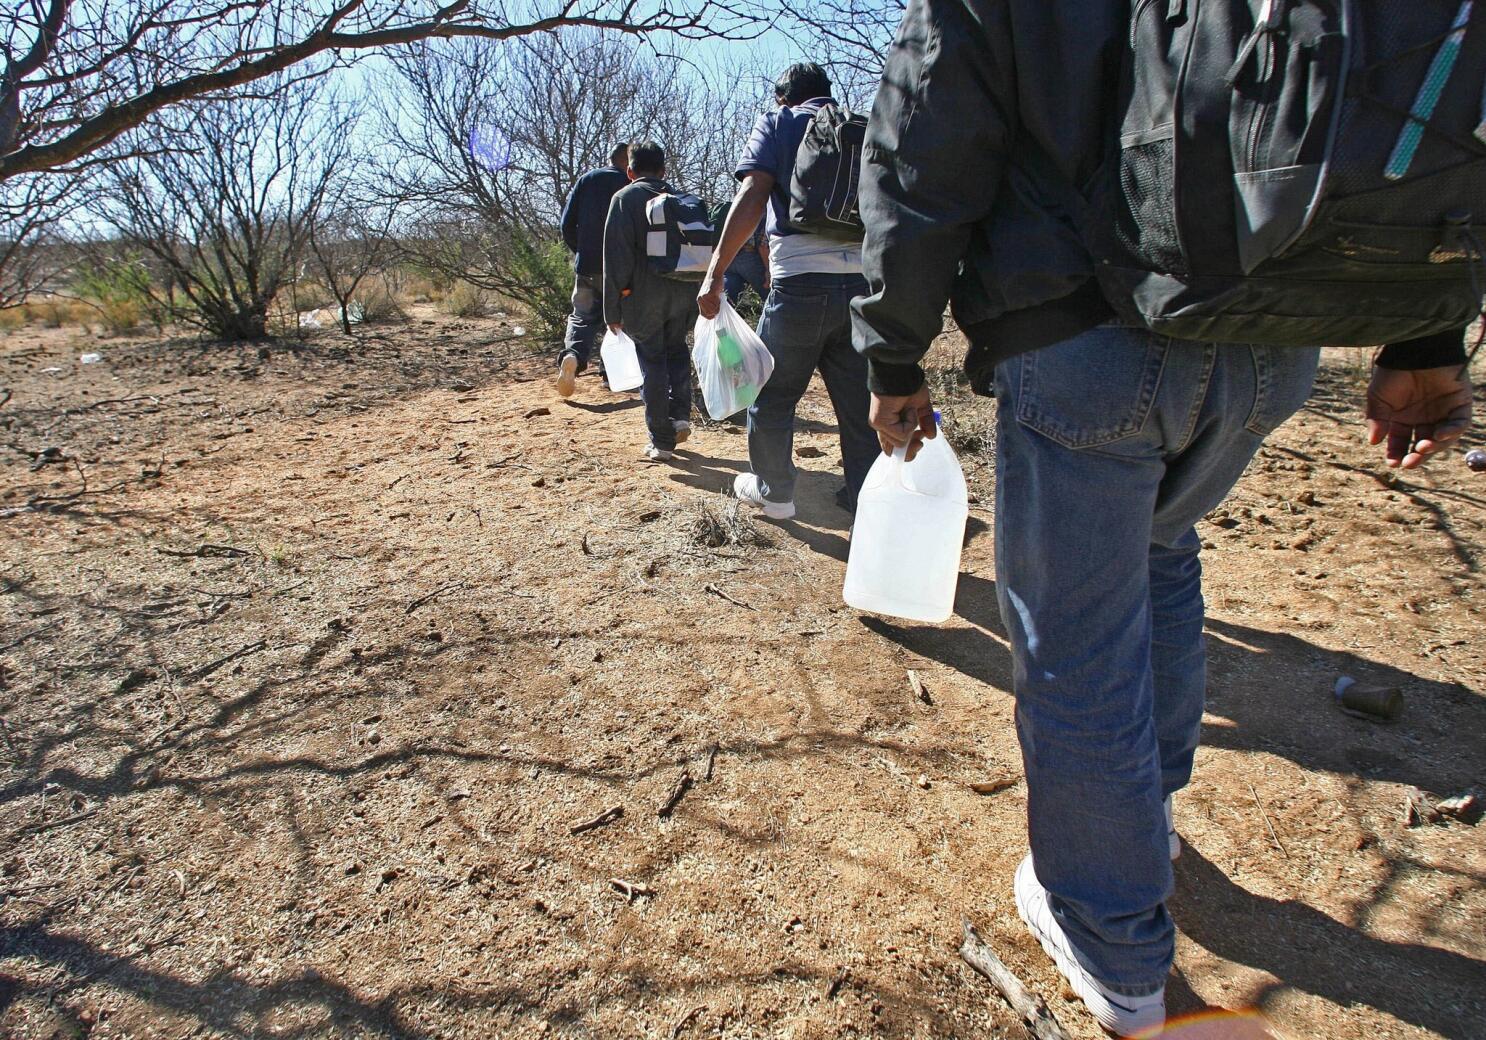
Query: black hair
620, 154
801, 82
647, 157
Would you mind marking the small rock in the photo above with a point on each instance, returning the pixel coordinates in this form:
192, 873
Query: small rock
351, 867
924, 782
1462, 807
535, 412
461, 386
809, 452
539, 482
1476, 460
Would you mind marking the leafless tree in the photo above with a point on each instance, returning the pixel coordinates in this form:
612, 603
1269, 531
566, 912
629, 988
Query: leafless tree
849, 37
33, 210
77, 74
488, 141
223, 199
349, 239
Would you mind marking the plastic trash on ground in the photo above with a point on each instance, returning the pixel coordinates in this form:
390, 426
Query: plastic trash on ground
910, 527
621, 362
90, 359
732, 363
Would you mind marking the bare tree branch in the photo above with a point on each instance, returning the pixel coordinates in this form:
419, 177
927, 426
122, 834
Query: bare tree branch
164, 57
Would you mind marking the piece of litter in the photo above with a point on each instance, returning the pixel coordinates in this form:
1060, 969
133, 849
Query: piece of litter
89, 358
518, 331
993, 786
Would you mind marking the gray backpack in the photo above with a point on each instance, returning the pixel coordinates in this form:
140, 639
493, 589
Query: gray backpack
1299, 172
680, 238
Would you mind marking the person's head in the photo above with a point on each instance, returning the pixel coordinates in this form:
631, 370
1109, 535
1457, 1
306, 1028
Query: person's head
647, 159
801, 82
619, 157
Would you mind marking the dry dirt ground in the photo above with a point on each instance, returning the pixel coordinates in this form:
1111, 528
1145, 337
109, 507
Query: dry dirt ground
303, 697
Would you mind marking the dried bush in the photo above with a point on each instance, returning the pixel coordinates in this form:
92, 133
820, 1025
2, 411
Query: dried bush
722, 523
467, 301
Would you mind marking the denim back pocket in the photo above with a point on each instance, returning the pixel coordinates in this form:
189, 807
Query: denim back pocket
1092, 390
1283, 377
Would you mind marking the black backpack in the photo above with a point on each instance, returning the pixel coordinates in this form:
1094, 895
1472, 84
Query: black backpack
1299, 172
823, 187
681, 238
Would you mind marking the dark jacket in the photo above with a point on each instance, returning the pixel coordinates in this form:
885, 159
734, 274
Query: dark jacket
635, 294
976, 180
584, 214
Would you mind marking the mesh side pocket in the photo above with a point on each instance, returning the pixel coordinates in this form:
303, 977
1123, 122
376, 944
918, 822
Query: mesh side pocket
1146, 226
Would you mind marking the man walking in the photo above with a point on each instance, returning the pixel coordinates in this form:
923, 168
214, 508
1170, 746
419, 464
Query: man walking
806, 322
1112, 443
583, 219
656, 311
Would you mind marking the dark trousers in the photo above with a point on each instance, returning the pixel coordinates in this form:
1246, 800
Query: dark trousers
666, 365
807, 327
746, 269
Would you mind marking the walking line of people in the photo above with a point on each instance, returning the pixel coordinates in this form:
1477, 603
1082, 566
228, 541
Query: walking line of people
993, 119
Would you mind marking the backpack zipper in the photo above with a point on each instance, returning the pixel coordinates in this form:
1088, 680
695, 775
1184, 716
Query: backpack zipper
1261, 40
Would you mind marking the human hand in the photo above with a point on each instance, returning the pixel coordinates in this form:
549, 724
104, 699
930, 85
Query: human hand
709, 297
903, 420
616, 327
1417, 412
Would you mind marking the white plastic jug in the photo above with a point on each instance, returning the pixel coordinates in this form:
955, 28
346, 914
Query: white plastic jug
621, 362
910, 526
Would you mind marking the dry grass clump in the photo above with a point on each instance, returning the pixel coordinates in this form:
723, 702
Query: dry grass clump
467, 301
378, 302
722, 523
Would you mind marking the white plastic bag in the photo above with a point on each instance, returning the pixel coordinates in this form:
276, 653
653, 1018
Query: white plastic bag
732, 362
621, 362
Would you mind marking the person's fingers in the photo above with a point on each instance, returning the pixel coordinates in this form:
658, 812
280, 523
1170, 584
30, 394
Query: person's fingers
1376, 431
1400, 443
926, 424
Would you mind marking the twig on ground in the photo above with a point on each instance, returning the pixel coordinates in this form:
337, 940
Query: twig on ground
975, 952
919, 690
631, 890
1277, 843
711, 761
44, 502
686, 1020
435, 594
205, 550
678, 791
606, 817
207, 669
398, 481
713, 588
29, 636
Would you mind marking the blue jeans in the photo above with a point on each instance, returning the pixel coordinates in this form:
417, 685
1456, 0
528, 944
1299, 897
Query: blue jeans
586, 322
807, 325
666, 365
1111, 446
746, 269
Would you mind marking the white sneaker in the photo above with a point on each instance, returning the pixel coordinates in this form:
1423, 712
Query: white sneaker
1173, 843
655, 454
1121, 1015
745, 487
567, 375
683, 431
